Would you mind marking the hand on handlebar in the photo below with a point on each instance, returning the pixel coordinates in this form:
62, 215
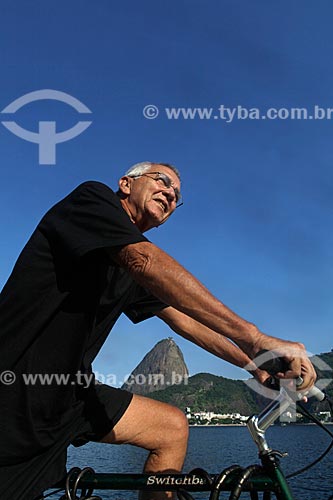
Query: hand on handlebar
295, 360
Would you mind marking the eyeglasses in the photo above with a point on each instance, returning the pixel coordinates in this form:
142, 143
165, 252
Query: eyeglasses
166, 182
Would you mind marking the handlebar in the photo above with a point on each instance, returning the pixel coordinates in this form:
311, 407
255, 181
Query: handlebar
266, 360
258, 424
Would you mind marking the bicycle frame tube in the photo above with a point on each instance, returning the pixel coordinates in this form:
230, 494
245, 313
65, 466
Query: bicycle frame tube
272, 465
268, 479
190, 482
285, 492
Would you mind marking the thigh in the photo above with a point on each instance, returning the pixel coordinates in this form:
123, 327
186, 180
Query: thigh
149, 424
103, 406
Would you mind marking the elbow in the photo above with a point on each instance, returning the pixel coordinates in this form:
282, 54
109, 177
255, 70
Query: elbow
136, 259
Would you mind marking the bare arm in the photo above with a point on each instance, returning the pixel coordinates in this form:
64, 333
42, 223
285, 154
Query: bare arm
171, 283
209, 340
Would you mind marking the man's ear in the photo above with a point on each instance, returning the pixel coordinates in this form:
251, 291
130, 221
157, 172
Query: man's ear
125, 184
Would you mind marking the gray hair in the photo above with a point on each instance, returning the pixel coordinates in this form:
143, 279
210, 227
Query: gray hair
144, 166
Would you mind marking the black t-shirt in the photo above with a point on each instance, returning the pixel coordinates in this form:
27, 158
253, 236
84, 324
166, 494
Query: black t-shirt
62, 299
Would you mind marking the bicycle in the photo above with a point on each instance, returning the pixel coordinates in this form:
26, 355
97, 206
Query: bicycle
266, 478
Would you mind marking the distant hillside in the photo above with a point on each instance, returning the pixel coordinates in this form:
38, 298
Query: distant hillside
155, 376
208, 392
326, 357
221, 395
324, 375
162, 367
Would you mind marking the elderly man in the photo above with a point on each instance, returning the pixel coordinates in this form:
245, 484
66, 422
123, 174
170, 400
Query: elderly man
85, 264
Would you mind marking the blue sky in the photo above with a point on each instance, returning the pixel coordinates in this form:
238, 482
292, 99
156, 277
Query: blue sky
256, 224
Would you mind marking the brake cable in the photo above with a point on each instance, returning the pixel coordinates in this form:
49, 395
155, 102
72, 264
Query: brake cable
314, 419
274, 365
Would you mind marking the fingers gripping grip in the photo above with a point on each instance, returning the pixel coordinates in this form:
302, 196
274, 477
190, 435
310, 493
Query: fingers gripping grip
274, 364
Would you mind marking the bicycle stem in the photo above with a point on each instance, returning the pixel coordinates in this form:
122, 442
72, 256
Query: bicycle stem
257, 424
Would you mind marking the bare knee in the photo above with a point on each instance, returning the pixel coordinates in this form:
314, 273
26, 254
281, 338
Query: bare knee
150, 424
158, 427
169, 445
169, 431
176, 424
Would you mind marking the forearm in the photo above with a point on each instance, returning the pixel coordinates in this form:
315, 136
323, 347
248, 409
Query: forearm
171, 283
206, 338
174, 285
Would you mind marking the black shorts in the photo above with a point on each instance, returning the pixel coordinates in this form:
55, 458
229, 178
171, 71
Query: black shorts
103, 408
99, 408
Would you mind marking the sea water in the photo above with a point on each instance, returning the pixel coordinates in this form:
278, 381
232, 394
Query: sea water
215, 448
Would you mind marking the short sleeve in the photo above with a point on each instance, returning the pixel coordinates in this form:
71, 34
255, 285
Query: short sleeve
144, 306
91, 217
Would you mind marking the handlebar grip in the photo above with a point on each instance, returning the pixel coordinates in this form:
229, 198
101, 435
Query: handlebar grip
314, 392
274, 365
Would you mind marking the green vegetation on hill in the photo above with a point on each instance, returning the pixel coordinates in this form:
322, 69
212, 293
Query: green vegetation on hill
324, 373
206, 392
